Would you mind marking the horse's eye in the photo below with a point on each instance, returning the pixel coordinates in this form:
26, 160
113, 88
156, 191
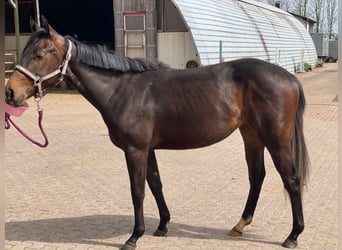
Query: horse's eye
39, 56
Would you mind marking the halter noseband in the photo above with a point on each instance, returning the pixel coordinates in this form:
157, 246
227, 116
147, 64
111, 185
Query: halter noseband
38, 80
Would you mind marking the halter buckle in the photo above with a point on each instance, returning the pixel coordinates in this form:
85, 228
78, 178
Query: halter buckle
38, 83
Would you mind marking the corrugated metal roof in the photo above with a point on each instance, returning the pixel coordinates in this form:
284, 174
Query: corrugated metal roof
247, 29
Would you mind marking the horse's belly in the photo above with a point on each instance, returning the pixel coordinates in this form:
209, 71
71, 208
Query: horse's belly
188, 136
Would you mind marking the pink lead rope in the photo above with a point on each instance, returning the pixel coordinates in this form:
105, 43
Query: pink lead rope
9, 121
37, 82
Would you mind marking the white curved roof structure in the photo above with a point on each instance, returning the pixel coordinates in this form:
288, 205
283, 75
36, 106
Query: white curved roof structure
247, 29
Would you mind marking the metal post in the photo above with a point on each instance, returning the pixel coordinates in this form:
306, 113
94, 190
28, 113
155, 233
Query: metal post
302, 69
37, 13
221, 53
17, 31
277, 57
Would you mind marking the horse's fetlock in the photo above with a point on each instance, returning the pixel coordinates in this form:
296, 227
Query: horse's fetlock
139, 231
300, 228
165, 217
248, 220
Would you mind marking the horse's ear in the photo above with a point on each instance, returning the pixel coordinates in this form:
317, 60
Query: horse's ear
45, 24
33, 25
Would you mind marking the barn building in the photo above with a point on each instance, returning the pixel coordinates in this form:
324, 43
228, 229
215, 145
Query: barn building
181, 33
187, 33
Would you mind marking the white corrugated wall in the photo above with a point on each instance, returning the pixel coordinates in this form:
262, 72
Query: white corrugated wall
247, 29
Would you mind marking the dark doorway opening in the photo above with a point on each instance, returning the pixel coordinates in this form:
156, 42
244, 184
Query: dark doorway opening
91, 21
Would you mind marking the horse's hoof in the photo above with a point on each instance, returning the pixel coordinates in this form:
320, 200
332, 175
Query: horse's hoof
234, 232
288, 243
129, 246
160, 232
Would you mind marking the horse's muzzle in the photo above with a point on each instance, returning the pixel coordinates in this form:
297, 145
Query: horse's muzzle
9, 94
9, 98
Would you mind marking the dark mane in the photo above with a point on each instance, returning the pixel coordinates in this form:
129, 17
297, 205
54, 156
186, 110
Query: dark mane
99, 56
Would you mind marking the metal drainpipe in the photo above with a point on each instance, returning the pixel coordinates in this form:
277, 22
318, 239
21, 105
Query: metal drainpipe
37, 13
12, 4
221, 53
15, 7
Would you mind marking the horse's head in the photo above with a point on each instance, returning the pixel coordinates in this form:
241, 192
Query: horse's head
39, 67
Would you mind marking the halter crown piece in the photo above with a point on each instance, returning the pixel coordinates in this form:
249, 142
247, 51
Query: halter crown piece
38, 80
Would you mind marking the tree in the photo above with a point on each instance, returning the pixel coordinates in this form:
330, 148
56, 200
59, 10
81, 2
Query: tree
319, 14
324, 12
300, 7
331, 16
286, 5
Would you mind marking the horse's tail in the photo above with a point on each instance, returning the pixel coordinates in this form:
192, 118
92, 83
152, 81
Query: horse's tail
299, 150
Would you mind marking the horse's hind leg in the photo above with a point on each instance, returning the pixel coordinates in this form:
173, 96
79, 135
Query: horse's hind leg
254, 150
153, 179
282, 158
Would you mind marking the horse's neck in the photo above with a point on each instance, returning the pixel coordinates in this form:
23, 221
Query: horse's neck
91, 84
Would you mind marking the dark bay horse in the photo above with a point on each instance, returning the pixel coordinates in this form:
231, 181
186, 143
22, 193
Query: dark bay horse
147, 106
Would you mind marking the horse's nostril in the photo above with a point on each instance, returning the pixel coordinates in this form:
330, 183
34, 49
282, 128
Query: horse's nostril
9, 95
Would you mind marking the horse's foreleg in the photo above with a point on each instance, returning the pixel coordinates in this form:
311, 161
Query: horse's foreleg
282, 159
254, 150
153, 179
137, 165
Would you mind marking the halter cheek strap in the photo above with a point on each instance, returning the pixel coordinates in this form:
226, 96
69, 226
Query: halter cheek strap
38, 80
